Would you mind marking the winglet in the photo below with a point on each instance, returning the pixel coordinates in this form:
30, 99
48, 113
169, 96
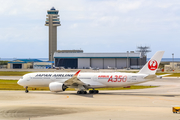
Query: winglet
76, 74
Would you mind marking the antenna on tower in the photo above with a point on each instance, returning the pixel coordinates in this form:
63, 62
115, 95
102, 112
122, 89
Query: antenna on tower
143, 50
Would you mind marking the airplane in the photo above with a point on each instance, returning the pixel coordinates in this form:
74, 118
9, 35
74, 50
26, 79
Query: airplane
82, 82
96, 68
114, 68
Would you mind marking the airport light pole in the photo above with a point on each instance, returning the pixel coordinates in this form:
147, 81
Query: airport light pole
51, 61
173, 60
127, 59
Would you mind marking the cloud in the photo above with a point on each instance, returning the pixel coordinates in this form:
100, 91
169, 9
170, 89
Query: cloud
103, 25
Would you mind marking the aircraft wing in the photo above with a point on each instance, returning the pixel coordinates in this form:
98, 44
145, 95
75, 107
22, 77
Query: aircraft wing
74, 81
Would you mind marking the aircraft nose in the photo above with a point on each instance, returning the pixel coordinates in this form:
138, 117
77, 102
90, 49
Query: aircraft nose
19, 82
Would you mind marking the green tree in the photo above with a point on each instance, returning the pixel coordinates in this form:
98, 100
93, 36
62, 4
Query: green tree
4, 62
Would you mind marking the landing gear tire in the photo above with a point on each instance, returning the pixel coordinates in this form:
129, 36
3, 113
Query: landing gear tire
97, 91
90, 92
26, 91
93, 92
81, 92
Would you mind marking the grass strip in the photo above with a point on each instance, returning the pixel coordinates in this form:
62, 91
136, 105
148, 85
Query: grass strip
171, 74
13, 73
12, 85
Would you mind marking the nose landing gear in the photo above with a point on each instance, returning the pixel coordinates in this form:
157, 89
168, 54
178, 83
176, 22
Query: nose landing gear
26, 91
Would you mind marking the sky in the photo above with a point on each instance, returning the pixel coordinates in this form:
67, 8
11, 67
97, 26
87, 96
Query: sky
95, 26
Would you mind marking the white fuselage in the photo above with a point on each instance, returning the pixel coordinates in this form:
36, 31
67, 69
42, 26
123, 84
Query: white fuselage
93, 80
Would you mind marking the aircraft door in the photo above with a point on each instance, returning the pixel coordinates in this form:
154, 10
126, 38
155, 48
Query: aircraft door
133, 78
27, 78
94, 78
53, 79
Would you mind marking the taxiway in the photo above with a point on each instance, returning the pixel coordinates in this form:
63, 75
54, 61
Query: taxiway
142, 104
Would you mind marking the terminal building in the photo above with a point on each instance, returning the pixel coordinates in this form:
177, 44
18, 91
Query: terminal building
29, 64
76, 59
22, 63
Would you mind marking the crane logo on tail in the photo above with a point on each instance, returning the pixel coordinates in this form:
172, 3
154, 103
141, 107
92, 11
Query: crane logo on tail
152, 65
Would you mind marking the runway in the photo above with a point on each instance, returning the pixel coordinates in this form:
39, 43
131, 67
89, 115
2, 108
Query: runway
10, 77
141, 104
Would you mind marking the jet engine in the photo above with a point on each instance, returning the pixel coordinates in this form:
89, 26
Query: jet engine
57, 87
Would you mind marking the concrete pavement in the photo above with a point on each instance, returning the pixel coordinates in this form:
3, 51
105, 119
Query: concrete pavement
10, 77
142, 104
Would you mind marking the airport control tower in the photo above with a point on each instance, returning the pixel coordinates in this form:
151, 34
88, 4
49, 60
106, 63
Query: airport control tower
52, 21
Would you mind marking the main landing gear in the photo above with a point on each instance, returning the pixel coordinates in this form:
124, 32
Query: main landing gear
93, 91
81, 92
26, 91
90, 92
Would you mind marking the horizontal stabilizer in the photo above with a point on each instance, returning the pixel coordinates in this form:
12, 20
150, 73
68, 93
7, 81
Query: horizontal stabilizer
150, 77
165, 75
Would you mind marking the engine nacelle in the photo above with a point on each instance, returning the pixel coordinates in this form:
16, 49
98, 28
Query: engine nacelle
57, 87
